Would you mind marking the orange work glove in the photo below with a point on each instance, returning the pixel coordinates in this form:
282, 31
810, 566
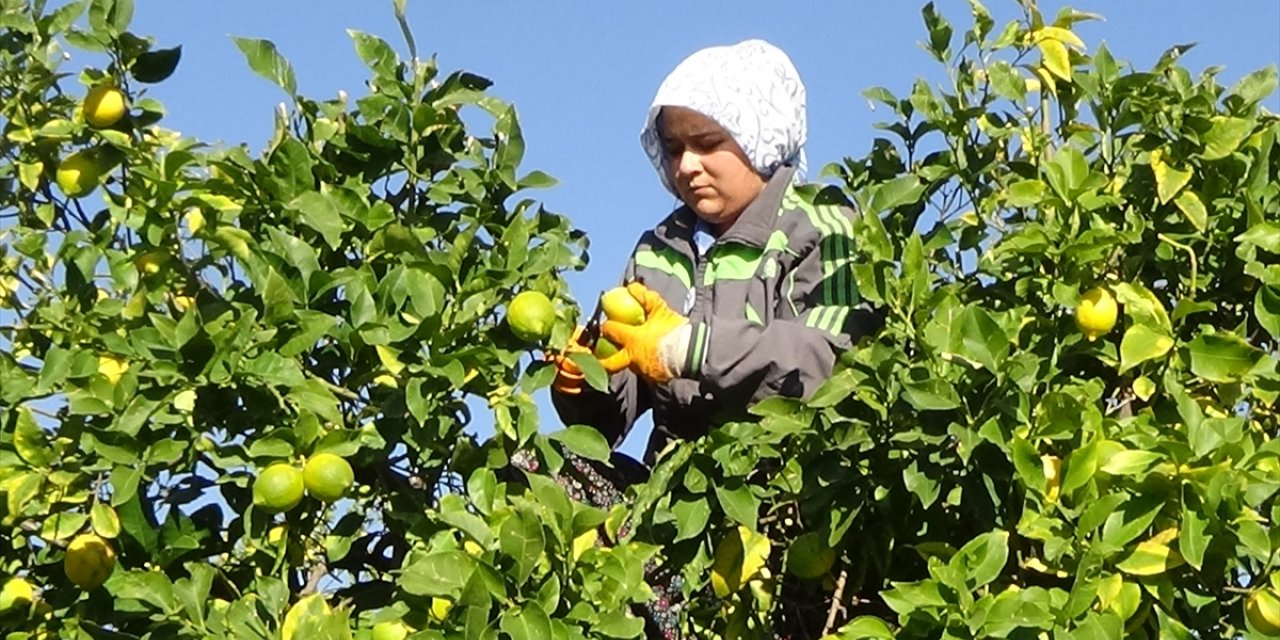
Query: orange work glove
569, 377
656, 347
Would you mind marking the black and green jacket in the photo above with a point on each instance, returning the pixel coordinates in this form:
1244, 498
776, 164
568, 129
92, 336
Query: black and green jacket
772, 303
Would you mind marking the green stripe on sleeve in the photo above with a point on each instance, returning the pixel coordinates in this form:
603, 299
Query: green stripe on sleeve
667, 261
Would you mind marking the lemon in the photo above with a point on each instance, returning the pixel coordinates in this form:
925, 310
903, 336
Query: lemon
620, 306
310, 609
104, 106
150, 262
472, 548
1096, 313
16, 594
112, 367
531, 316
809, 557
1263, 611
78, 174
327, 477
278, 488
89, 561
390, 631
440, 608
604, 349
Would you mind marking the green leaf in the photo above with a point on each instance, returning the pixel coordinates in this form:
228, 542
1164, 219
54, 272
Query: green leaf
110, 18
29, 440
1224, 137
267, 62
1081, 464
1169, 180
1266, 308
1194, 539
585, 441
1025, 193
692, 517
597, 378
895, 193
520, 537
1150, 558
321, 212
940, 33
527, 623
932, 394
105, 521
376, 53
156, 66
983, 558
1190, 205
739, 504
1222, 357
1256, 86
1142, 343
1131, 462
619, 624
1264, 235
865, 628
441, 573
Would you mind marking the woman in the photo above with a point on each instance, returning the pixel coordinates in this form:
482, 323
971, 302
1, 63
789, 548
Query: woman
747, 287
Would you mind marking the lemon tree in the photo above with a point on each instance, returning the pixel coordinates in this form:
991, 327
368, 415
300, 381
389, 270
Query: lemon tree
1066, 428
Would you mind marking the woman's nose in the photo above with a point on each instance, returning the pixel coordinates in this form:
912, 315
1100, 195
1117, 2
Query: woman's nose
688, 163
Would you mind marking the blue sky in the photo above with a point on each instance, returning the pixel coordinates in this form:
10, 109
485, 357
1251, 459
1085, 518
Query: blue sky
581, 75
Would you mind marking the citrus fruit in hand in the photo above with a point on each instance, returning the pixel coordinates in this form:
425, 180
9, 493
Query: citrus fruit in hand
604, 349
278, 488
104, 106
16, 594
78, 174
620, 306
1096, 313
1263, 611
809, 557
327, 477
89, 561
390, 631
531, 316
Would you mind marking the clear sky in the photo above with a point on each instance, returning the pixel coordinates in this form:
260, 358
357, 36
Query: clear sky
582, 73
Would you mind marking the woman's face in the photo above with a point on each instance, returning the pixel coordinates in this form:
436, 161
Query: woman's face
710, 172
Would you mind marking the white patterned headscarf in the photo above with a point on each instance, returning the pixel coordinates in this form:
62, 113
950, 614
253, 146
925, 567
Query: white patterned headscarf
752, 90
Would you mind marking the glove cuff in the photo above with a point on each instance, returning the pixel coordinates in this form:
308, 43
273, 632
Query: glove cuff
673, 350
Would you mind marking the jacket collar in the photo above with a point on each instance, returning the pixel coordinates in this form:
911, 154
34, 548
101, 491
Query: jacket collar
752, 228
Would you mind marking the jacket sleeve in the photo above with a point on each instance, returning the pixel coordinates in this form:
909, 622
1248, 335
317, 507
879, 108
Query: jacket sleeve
740, 361
611, 412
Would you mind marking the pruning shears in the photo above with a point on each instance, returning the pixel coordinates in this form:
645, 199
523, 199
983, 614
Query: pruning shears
591, 332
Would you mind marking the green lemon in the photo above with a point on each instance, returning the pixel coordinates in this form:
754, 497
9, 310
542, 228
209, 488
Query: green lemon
104, 106
809, 557
531, 316
390, 631
1263, 611
278, 488
327, 477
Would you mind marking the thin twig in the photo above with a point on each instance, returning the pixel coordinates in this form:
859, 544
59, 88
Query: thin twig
836, 605
318, 571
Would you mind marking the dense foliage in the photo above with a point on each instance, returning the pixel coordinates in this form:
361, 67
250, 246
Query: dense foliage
193, 315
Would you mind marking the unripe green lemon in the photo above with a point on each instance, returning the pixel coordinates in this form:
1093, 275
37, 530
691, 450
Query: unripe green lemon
604, 349
89, 561
327, 477
809, 557
79, 174
16, 594
620, 306
278, 488
390, 631
1263, 610
1096, 314
531, 316
104, 106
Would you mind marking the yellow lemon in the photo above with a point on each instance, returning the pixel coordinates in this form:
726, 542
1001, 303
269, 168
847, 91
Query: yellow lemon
531, 316
390, 631
473, 548
89, 561
195, 220
112, 367
809, 557
150, 262
1263, 610
440, 608
278, 488
16, 594
1096, 314
1052, 466
79, 174
182, 303
620, 306
104, 106
327, 477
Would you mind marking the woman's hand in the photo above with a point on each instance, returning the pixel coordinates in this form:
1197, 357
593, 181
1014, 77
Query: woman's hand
655, 348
